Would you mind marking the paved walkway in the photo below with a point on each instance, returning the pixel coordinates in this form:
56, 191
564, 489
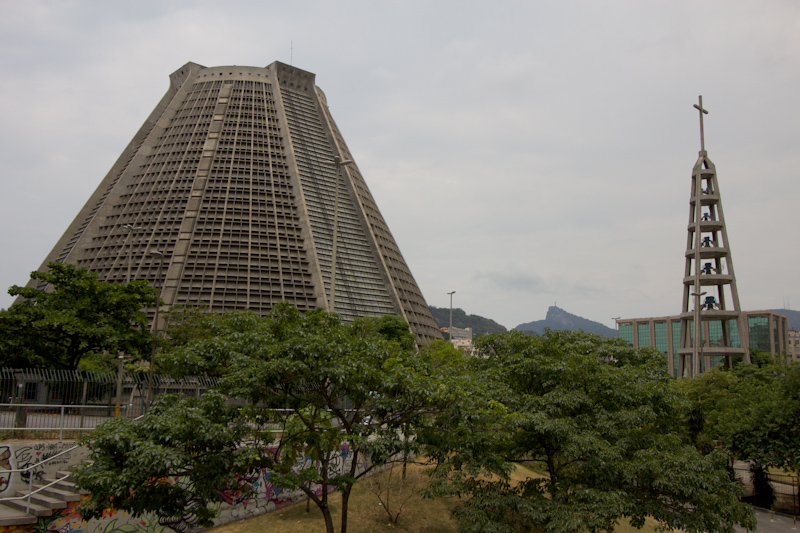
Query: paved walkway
767, 523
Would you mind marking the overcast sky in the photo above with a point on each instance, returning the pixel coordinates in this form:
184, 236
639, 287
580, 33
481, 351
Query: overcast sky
522, 153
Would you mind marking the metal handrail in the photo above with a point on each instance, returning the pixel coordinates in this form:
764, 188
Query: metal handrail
30, 478
31, 493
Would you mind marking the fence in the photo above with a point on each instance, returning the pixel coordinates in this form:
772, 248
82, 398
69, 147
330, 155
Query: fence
62, 403
784, 486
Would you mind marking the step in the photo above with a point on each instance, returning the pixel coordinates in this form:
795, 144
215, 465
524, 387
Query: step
60, 493
15, 517
34, 509
44, 500
70, 486
69, 483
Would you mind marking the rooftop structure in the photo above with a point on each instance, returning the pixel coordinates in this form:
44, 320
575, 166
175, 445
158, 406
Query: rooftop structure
793, 346
461, 338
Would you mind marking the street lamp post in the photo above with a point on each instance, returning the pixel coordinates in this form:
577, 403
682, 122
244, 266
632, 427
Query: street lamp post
157, 285
450, 329
131, 228
698, 333
338, 163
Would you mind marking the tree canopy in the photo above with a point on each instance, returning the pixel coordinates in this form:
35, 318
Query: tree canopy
173, 462
753, 410
328, 401
600, 420
349, 396
75, 316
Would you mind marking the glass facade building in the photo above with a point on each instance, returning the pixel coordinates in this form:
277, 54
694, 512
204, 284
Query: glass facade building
768, 333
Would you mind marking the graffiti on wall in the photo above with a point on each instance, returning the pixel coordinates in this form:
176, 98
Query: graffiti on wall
69, 521
5, 466
30, 455
262, 496
252, 496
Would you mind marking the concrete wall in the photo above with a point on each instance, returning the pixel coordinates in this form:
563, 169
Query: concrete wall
232, 504
24, 454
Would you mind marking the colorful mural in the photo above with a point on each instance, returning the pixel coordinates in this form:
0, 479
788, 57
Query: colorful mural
69, 521
234, 504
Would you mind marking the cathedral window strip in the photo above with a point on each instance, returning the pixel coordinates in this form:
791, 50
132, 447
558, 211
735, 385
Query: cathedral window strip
248, 200
360, 288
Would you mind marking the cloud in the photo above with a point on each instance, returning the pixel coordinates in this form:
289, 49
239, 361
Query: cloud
521, 152
515, 281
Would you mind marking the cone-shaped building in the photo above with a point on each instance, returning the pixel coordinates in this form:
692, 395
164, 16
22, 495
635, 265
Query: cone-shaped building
241, 186
711, 310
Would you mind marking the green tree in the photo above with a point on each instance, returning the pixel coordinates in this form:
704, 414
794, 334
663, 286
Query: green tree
349, 396
753, 411
174, 461
201, 342
329, 385
77, 317
602, 422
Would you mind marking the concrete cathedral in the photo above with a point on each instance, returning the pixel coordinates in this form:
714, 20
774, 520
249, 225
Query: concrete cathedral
238, 192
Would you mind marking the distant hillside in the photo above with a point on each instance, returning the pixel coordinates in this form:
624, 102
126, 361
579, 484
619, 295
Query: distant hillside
793, 316
461, 319
559, 319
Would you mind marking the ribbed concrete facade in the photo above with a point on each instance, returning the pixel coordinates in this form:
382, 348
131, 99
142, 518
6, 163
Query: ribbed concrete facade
232, 178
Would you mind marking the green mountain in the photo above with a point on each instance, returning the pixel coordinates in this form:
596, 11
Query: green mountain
557, 319
461, 319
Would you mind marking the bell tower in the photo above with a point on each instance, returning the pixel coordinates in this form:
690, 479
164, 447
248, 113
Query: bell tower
713, 329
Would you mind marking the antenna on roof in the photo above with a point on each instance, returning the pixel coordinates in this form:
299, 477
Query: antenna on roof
291, 51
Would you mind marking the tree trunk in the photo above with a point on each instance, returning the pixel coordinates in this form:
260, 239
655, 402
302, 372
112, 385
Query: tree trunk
326, 514
346, 492
326, 511
405, 451
345, 499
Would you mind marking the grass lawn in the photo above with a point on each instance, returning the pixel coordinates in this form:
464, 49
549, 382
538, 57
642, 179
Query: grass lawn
366, 515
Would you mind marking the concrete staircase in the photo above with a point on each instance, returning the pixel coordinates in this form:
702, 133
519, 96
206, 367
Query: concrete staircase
58, 494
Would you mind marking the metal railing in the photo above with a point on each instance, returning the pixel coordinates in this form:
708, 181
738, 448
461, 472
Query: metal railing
785, 487
47, 420
51, 403
74, 387
30, 469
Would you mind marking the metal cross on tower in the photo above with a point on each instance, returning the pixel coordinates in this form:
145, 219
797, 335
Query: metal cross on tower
702, 112
713, 330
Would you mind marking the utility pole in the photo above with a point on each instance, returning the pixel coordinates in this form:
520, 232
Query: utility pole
450, 329
120, 359
157, 285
